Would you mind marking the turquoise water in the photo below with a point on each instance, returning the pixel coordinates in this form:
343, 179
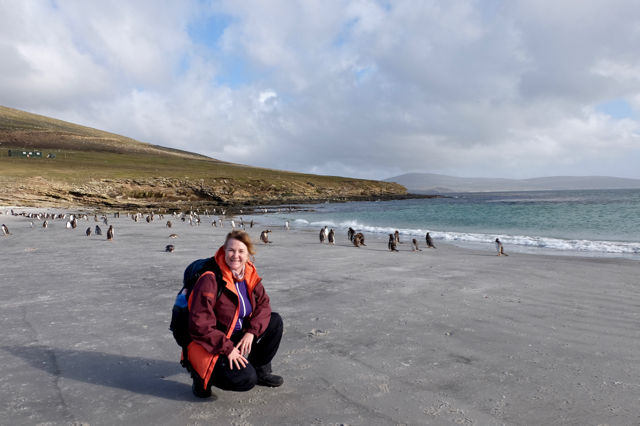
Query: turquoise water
596, 221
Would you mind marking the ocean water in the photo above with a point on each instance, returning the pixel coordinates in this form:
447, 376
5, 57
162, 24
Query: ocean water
594, 222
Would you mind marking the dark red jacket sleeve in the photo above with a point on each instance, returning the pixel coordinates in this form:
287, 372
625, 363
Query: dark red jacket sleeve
261, 311
202, 317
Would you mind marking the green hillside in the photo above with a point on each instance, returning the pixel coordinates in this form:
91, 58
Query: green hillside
93, 167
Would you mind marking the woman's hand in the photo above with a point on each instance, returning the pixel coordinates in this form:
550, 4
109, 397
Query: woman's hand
244, 345
235, 357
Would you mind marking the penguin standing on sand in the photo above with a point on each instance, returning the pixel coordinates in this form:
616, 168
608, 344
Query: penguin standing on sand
350, 234
430, 241
392, 243
251, 224
110, 233
322, 236
98, 230
397, 237
264, 236
332, 237
45, 223
5, 230
500, 248
286, 225
32, 225
88, 231
415, 245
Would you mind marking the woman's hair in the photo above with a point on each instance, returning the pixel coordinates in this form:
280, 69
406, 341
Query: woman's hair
243, 237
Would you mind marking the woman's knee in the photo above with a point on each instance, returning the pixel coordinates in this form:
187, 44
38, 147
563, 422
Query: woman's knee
276, 321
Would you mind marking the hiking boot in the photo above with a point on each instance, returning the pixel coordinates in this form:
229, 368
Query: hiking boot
198, 388
266, 378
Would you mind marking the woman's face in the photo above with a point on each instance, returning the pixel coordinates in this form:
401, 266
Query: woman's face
236, 255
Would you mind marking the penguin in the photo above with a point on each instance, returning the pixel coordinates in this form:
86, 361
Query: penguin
332, 237
148, 219
500, 248
397, 237
5, 230
105, 221
45, 223
214, 223
74, 223
98, 230
233, 224
264, 237
350, 234
286, 225
221, 224
326, 231
430, 241
322, 236
392, 243
168, 224
68, 224
95, 218
110, 233
32, 225
251, 224
170, 248
88, 231
358, 240
173, 236
415, 245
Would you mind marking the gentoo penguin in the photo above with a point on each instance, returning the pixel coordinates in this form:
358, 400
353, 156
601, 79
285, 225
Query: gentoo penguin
110, 233
322, 236
148, 219
233, 224
168, 224
264, 236
286, 225
221, 224
45, 223
173, 236
88, 231
170, 248
350, 234
32, 225
214, 223
430, 241
5, 230
415, 245
500, 248
74, 223
98, 230
251, 224
332, 237
95, 218
326, 231
358, 240
397, 237
392, 243
68, 224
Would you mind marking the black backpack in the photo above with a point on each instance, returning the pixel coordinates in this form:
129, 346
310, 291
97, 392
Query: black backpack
180, 312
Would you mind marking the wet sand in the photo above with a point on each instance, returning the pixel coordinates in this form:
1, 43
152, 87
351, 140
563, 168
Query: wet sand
444, 336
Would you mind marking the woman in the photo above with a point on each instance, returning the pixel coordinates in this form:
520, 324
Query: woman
235, 336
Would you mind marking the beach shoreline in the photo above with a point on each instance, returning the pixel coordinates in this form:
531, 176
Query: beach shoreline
441, 337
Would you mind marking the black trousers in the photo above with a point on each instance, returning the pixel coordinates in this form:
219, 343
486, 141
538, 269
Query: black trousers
263, 350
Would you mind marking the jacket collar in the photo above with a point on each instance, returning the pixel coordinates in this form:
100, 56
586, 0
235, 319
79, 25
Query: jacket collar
250, 274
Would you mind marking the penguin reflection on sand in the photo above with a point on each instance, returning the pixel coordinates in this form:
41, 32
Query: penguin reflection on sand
264, 236
392, 243
415, 245
500, 248
5, 230
110, 233
430, 241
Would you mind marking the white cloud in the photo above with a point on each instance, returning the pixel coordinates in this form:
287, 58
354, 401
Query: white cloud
359, 88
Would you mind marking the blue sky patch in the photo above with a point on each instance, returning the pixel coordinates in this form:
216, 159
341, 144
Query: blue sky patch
617, 108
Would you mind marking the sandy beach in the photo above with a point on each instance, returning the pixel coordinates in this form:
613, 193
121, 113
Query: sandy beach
449, 336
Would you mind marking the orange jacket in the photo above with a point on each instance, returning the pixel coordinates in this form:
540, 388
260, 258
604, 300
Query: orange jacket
212, 319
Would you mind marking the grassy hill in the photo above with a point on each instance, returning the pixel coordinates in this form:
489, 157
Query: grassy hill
93, 167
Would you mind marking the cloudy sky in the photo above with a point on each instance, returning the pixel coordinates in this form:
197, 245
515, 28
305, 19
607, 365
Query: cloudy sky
365, 88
